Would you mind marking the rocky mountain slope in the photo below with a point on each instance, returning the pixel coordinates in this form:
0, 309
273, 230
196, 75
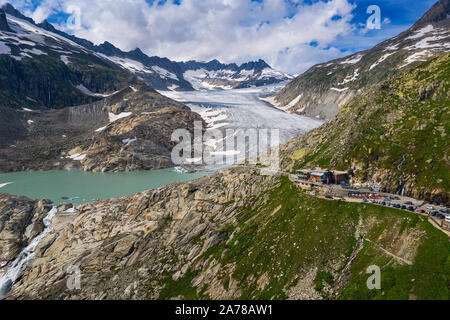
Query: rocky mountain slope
394, 135
327, 87
40, 69
164, 74
234, 235
127, 131
41, 66
65, 106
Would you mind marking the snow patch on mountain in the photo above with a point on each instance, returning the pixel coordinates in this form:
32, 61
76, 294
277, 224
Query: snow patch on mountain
421, 33
35, 34
77, 157
353, 59
164, 73
35, 52
425, 43
392, 48
387, 55
65, 59
271, 73
350, 78
292, 103
418, 56
339, 90
128, 64
114, 117
129, 141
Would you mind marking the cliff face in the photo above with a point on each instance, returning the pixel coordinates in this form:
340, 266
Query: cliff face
394, 135
234, 235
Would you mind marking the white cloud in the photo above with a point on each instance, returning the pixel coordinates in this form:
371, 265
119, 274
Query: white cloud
228, 30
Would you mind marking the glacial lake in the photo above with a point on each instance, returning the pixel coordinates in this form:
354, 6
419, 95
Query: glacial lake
80, 187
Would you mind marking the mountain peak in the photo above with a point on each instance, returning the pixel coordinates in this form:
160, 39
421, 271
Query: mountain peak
3, 22
137, 51
9, 9
109, 49
438, 13
259, 65
47, 26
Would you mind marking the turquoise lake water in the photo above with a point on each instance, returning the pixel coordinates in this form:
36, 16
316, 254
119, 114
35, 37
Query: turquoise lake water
80, 187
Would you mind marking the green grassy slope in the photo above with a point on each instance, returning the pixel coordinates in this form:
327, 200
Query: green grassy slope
286, 233
396, 134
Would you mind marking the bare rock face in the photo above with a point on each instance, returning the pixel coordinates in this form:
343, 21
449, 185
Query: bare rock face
20, 221
3, 22
152, 227
130, 130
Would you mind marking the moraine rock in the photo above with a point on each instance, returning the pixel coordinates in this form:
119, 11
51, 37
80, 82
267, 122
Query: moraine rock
130, 130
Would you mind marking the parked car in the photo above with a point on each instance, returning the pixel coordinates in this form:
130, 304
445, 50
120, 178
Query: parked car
329, 196
409, 203
420, 211
430, 207
447, 218
383, 203
433, 213
444, 211
364, 200
403, 207
440, 216
411, 208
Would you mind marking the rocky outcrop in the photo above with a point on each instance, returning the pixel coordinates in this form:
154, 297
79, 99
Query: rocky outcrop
437, 14
130, 130
20, 221
3, 22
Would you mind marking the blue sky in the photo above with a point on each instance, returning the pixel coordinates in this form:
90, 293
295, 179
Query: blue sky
291, 35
